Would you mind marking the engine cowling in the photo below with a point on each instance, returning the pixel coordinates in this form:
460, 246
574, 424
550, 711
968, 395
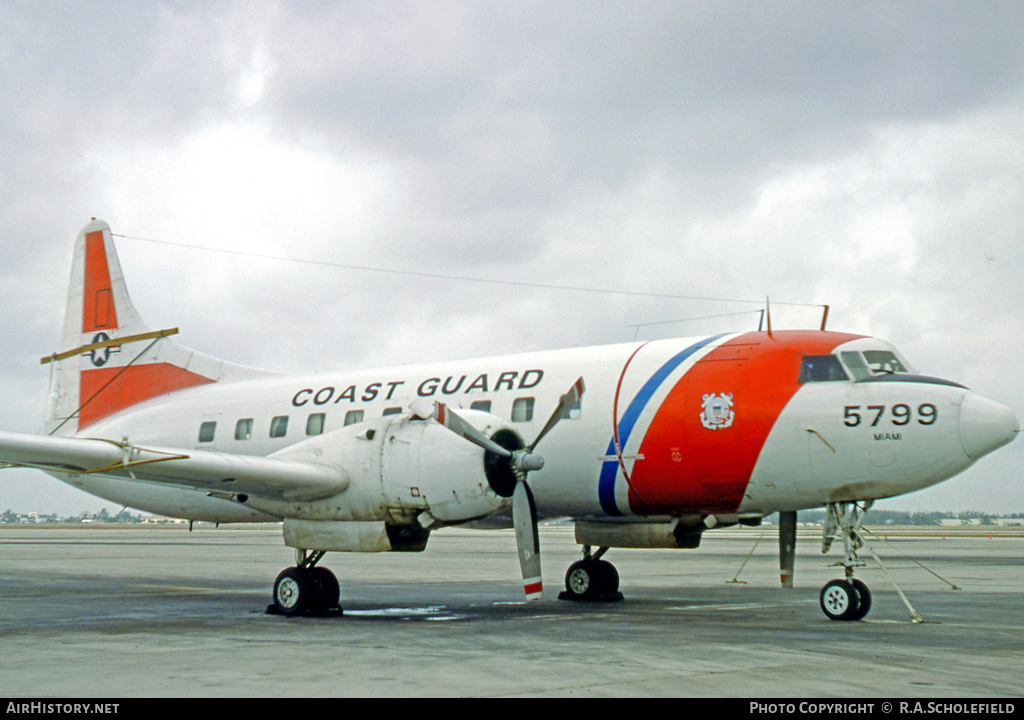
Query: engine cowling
425, 467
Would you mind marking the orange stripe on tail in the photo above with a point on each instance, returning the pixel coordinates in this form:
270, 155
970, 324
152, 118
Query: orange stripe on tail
98, 310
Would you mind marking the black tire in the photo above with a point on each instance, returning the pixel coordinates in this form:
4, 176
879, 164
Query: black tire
608, 576
294, 592
326, 588
840, 600
865, 599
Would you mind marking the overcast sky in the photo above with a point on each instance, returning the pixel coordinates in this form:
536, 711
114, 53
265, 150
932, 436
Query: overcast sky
867, 155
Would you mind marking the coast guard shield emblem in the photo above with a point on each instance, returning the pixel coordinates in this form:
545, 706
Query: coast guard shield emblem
718, 413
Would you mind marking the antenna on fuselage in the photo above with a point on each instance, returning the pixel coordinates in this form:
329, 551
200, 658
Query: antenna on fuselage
768, 315
824, 317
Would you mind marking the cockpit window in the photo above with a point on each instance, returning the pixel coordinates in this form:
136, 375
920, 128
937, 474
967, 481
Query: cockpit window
821, 368
883, 362
857, 365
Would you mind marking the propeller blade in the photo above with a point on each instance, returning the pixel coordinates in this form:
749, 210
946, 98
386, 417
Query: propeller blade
524, 508
524, 518
447, 417
565, 404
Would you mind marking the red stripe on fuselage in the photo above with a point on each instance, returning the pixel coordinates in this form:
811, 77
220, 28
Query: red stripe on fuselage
689, 468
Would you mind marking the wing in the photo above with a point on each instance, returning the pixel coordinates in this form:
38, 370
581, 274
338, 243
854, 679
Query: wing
213, 472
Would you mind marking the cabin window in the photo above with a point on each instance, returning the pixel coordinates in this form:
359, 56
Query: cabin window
243, 429
353, 416
207, 431
279, 426
315, 424
522, 409
821, 368
482, 405
392, 411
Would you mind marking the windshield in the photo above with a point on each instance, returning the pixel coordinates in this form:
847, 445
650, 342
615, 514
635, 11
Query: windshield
883, 362
872, 362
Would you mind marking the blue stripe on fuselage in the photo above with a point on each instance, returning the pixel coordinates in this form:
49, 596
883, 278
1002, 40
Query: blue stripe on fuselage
610, 468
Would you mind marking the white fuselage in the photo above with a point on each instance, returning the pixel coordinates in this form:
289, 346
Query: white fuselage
701, 426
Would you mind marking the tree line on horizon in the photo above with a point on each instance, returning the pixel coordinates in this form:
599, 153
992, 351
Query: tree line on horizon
873, 517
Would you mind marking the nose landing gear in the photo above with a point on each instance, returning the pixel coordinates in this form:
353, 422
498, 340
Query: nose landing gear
849, 598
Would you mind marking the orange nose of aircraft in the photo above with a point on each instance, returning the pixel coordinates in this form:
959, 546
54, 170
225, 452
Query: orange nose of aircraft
985, 426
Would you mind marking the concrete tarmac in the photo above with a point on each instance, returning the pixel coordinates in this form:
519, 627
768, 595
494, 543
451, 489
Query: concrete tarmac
129, 612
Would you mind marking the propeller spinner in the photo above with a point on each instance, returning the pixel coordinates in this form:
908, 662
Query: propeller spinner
519, 462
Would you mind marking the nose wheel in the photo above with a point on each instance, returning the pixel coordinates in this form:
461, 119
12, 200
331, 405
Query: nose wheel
845, 599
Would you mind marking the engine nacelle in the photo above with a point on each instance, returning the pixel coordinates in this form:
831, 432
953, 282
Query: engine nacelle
683, 532
354, 536
404, 469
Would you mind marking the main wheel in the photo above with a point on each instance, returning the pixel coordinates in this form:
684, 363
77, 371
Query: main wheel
294, 591
326, 588
591, 579
840, 600
581, 582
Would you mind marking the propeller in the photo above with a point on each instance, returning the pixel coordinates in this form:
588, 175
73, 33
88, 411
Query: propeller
520, 462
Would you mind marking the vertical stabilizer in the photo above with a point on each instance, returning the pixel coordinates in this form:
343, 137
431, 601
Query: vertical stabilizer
109, 359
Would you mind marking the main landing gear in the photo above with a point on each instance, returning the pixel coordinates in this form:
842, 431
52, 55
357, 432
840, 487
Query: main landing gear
849, 598
591, 578
306, 588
